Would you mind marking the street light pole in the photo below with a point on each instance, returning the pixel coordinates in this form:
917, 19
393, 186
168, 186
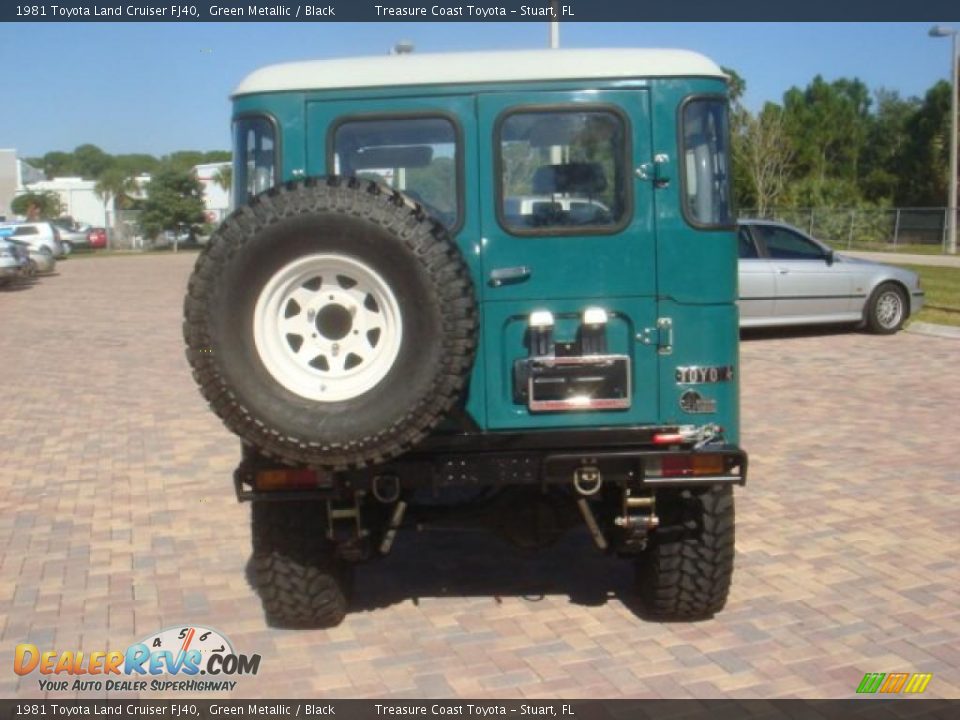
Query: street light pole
945, 31
554, 25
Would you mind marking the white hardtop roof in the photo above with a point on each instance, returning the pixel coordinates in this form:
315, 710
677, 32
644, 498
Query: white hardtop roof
477, 67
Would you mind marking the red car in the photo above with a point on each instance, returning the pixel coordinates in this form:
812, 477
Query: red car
97, 237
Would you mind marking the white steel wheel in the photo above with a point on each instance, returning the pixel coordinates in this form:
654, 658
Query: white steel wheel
889, 309
327, 327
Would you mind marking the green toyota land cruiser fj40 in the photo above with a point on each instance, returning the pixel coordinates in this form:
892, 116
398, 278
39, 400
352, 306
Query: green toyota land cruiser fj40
506, 280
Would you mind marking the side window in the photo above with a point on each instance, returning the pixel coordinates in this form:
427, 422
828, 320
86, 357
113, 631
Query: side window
418, 156
563, 171
746, 247
254, 157
706, 163
786, 245
25, 230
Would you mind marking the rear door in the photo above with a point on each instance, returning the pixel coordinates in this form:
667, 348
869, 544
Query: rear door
806, 284
566, 226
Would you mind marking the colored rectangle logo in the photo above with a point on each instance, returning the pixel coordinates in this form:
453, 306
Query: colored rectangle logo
894, 683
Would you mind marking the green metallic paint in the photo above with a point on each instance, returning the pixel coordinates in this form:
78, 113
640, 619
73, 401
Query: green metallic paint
659, 266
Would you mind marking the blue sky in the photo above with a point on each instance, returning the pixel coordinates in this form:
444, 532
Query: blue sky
160, 87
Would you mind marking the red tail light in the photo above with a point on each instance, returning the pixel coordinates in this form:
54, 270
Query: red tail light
685, 465
286, 479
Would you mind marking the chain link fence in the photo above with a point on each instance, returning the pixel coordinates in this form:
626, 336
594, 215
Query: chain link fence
909, 230
124, 232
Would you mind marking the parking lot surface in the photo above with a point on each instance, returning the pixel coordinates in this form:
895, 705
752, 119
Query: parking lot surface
118, 519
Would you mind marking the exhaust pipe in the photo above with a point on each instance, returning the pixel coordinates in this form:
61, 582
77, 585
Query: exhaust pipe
591, 520
395, 520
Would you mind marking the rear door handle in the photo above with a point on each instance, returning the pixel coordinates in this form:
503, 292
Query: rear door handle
505, 276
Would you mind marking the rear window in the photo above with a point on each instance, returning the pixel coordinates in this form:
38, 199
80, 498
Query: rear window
255, 157
418, 156
562, 171
706, 163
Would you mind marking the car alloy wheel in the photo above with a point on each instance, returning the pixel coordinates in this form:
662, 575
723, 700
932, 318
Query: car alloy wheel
889, 309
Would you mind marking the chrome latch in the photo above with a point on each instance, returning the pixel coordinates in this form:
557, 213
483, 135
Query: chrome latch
655, 171
664, 336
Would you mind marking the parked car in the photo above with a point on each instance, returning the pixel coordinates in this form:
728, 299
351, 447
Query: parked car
97, 238
39, 235
36, 261
12, 264
566, 210
72, 237
790, 278
185, 236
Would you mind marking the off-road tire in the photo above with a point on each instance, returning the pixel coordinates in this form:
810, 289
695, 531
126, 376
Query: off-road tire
300, 581
420, 263
875, 323
685, 572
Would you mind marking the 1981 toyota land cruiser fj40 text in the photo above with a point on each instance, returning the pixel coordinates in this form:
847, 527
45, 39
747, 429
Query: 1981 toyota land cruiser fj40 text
495, 282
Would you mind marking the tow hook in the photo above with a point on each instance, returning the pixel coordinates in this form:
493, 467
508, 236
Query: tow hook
587, 480
386, 488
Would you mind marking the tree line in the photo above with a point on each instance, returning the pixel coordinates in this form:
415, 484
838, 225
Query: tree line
831, 144
173, 198
836, 144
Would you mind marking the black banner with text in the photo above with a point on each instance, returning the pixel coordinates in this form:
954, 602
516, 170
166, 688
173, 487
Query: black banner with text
484, 11
483, 709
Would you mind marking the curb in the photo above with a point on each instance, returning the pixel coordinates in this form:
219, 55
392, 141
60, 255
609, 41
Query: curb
944, 331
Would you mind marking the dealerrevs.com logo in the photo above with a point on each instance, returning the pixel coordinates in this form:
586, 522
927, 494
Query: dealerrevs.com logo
187, 652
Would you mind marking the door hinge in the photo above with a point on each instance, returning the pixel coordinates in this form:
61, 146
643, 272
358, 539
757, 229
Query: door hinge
661, 336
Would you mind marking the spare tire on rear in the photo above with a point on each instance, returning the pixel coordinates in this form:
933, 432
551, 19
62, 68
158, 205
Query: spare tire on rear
331, 322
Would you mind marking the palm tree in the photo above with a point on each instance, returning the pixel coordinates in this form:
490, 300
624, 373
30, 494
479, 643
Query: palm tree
112, 186
224, 177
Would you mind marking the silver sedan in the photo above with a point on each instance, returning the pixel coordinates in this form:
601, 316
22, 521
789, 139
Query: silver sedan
788, 278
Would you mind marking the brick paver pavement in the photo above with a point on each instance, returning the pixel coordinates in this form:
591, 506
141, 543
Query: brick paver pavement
117, 518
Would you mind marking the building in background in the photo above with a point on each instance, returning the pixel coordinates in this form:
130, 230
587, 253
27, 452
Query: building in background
216, 198
15, 175
78, 199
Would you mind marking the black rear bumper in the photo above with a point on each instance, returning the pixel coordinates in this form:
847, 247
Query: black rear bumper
549, 457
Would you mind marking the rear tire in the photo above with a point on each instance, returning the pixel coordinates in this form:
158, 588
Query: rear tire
300, 581
887, 309
686, 571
